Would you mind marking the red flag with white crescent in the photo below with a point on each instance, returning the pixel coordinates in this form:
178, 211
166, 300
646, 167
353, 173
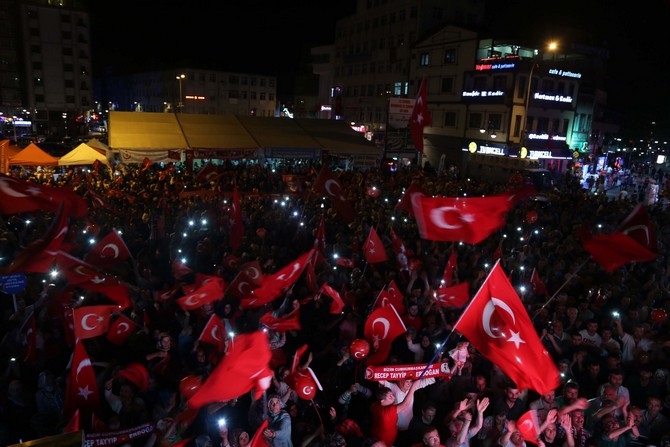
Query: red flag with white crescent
214, 333
92, 321
120, 329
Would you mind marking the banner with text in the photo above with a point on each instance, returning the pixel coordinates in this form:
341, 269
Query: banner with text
408, 372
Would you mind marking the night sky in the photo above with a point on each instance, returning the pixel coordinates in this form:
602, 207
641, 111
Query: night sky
269, 37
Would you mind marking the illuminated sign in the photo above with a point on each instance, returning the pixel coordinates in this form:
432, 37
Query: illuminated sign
361, 129
545, 136
539, 154
483, 93
491, 150
553, 98
326, 108
498, 66
199, 98
566, 74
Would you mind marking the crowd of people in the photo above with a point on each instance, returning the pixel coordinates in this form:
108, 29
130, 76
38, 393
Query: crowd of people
598, 327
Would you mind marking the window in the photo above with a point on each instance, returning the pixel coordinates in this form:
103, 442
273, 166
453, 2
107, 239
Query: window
495, 121
37, 65
68, 67
271, 96
475, 120
69, 99
67, 51
252, 95
35, 49
547, 86
233, 94
262, 96
448, 85
66, 35
397, 89
450, 56
542, 125
449, 119
254, 81
263, 82
244, 80
517, 125
69, 83
479, 83
499, 82
233, 80
424, 59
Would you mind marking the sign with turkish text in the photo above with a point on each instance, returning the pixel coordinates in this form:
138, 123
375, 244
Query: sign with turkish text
406, 372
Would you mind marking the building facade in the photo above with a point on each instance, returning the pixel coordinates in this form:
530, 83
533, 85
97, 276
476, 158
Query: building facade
46, 84
190, 90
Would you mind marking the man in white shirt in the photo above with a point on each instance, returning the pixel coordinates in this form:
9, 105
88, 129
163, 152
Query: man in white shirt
400, 389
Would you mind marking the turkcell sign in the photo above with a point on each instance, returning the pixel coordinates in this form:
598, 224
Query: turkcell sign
15, 283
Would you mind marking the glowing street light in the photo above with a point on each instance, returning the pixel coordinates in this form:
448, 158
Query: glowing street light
180, 104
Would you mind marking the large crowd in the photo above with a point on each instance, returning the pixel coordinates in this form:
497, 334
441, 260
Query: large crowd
600, 328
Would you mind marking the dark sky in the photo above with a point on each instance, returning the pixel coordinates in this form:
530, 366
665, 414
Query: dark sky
268, 37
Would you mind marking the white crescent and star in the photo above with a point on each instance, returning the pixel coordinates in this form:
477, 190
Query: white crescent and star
253, 273
385, 324
112, 247
285, 277
437, 217
83, 364
194, 300
214, 333
643, 228
307, 390
487, 313
84, 322
122, 327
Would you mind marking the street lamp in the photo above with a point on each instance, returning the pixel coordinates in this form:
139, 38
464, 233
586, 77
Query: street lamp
180, 104
524, 136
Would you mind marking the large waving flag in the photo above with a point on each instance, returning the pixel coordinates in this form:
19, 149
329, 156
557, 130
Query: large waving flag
246, 367
497, 324
635, 241
420, 117
461, 219
374, 248
18, 196
82, 388
382, 327
109, 251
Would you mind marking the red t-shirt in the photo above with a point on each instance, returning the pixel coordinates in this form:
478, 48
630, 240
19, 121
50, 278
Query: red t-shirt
384, 423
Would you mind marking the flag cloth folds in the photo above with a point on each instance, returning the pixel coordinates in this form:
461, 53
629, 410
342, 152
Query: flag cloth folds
453, 296
91, 321
214, 333
246, 367
635, 241
449, 269
336, 305
420, 117
498, 326
406, 201
382, 326
120, 329
109, 251
538, 285
209, 292
461, 219
529, 426
283, 323
82, 388
18, 196
374, 248
327, 184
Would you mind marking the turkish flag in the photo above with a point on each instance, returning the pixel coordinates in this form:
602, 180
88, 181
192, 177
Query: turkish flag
242, 285
411, 194
319, 243
345, 262
289, 322
180, 270
453, 296
288, 274
73, 424
167, 294
337, 304
120, 329
28, 332
497, 324
253, 272
390, 296
136, 373
40, 255
449, 269
237, 223
245, 367
258, 440
109, 251
19, 196
207, 293
209, 173
374, 248
538, 285
146, 164
420, 117
635, 241
460, 219
327, 184
91, 321
201, 280
82, 388
96, 200
382, 326
214, 333
529, 426
87, 277
400, 252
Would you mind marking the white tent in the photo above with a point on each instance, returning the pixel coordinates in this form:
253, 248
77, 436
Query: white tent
83, 155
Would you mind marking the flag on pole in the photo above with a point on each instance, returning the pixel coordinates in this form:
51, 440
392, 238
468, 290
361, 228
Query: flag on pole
420, 117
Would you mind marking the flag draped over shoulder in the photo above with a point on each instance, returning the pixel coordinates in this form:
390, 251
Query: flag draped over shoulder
635, 241
420, 117
497, 324
462, 219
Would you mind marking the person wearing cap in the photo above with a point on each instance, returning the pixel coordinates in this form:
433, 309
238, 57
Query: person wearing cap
278, 431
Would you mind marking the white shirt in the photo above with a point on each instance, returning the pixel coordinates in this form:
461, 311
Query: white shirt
405, 416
